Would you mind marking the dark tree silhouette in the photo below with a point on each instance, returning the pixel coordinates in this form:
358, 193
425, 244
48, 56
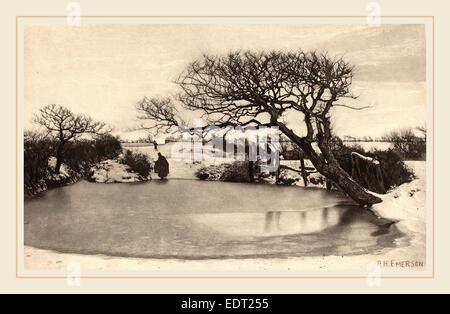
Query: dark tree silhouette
258, 89
162, 111
65, 126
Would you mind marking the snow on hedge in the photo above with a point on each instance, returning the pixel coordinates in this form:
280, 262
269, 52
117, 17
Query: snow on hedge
111, 171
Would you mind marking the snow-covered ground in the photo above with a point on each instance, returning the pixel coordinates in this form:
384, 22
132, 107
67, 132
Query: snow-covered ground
178, 169
185, 169
65, 176
406, 201
111, 171
63, 170
405, 204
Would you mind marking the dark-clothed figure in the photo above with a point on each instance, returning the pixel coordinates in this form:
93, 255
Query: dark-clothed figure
162, 166
155, 144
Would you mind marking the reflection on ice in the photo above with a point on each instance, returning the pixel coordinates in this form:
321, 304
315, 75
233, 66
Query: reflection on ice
174, 219
277, 223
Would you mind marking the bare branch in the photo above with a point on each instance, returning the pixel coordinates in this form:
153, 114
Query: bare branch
67, 125
351, 107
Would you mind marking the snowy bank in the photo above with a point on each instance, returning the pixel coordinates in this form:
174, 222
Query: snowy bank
112, 171
406, 202
291, 177
64, 177
108, 171
238, 171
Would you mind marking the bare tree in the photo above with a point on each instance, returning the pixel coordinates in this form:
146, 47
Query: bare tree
161, 111
65, 126
259, 88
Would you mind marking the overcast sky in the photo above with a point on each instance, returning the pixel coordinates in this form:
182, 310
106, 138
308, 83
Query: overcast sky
103, 70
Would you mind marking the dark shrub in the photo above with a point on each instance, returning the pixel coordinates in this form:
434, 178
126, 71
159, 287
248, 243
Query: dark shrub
137, 162
237, 171
343, 153
127, 157
289, 150
37, 150
107, 146
78, 155
212, 172
407, 144
394, 170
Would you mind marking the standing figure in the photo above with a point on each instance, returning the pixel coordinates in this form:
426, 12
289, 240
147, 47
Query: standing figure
162, 166
155, 144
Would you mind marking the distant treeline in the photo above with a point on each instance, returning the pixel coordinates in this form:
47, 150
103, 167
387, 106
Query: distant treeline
380, 140
376, 140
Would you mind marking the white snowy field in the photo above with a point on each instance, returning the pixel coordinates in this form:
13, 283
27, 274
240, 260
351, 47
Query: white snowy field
370, 146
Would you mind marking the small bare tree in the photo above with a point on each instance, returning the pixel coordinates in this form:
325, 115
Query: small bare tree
259, 89
65, 126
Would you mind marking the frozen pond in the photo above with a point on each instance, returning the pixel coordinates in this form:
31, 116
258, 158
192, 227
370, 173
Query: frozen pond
190, 219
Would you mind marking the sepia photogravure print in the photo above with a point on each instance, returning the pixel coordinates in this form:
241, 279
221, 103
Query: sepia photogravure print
293, 148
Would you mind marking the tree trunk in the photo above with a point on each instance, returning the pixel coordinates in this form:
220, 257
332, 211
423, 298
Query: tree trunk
251, 176
277, 175
342, 179
328, 166
58, 158
304, 174
333, 171
328, 184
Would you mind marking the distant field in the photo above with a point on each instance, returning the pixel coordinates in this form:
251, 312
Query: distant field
136, 144
368, 146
